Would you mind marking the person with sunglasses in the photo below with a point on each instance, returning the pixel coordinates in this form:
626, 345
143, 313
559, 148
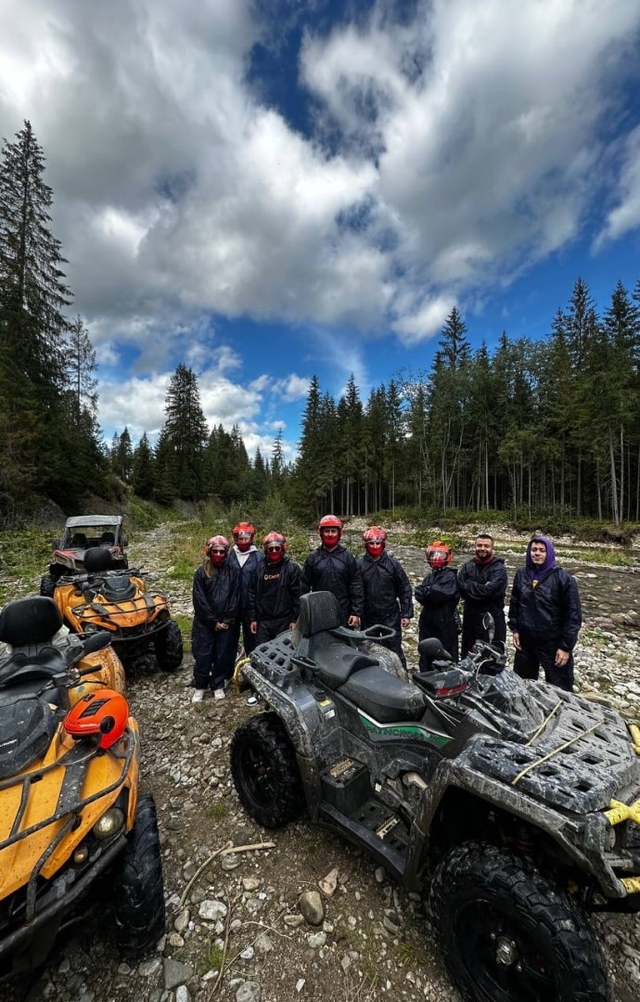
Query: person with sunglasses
275, 590
216, 606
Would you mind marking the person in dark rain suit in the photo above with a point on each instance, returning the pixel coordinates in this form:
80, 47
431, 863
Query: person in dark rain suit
216, 607
248, 558
438, 596
331, 567
545, 616
483, 584
387, 590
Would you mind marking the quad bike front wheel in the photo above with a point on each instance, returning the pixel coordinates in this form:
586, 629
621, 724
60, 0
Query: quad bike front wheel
265, 771
168, 647
139, 889
508, 934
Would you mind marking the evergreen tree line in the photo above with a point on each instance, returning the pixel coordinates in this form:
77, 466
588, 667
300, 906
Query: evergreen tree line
191, 463
550, 426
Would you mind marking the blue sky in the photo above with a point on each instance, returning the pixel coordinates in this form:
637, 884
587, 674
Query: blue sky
275, 190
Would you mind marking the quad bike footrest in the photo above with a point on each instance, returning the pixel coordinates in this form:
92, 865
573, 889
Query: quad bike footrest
378, 829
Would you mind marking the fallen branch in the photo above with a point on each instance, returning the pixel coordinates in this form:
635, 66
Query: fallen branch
226, 850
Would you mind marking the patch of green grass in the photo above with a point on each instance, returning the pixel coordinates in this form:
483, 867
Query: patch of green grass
213, 955
218, 810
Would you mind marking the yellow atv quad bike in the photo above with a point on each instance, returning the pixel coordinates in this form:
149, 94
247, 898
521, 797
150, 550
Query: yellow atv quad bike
71, 820
117, 601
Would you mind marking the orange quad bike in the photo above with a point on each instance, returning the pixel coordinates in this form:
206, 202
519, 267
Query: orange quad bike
118, 601
72, 823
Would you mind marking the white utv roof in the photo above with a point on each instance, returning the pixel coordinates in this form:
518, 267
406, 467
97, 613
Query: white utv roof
71, 523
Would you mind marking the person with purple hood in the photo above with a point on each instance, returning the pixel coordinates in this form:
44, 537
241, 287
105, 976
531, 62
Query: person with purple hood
544, 616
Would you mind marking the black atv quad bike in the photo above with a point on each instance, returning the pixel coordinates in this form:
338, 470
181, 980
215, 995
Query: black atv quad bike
511, 805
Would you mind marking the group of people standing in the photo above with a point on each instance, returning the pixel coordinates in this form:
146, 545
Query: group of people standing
240, 587
544, 613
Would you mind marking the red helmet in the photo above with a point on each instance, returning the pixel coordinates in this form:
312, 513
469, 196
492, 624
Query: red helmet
374, 540
274, 545
243, 534
438, 554
330, 522
216, 548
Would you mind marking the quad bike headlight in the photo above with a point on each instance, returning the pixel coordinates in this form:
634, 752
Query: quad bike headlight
109, 824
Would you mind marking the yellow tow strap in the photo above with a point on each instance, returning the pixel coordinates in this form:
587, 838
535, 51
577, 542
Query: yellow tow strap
238, 679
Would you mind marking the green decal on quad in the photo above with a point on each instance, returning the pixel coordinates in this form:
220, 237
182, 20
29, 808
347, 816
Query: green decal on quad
404, 731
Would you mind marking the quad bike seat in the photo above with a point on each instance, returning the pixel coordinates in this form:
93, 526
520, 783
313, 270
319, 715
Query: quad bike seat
336, 663
383, 696
28, 626
320, 636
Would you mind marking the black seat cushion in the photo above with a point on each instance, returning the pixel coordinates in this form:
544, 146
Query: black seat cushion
29, 621
336, 662
383, 696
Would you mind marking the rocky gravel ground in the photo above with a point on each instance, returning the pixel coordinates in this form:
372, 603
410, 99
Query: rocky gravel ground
260, 916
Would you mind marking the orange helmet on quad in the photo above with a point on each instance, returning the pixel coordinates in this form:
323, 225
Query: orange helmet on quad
438, 554
243, 534
374, 540
274, 545
330, 529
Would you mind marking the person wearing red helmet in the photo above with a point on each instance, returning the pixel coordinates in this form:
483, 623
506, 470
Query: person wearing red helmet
216, 607
275, 590
438, 595
249, 559
387, 589
483, 585
331, 567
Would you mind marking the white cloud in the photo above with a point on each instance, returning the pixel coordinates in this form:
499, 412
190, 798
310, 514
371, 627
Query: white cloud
447, 153
625, 216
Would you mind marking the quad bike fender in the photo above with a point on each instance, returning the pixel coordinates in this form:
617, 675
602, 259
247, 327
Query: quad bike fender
109, 673
308, 723
583, 842
307, 720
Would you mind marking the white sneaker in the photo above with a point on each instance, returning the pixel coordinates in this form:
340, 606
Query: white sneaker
219, 694
198, 695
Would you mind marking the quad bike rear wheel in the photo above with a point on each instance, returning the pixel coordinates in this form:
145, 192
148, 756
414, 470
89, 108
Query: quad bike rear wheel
139, 890
168, 647
47, 585
265, 771
508, 934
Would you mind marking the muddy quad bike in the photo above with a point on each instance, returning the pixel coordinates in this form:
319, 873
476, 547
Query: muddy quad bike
511, 805
74, 833
118, 601
79, 534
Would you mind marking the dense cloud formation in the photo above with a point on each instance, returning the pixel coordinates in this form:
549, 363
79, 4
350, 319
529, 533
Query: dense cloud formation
441, 147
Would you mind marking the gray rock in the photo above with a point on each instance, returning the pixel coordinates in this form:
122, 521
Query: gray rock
212, 910
311, 906
250, 991
176, 973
